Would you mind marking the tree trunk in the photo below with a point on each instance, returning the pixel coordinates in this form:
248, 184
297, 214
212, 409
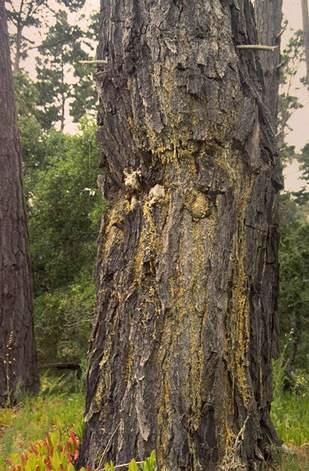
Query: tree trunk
186, 328
304, 7
269, 27
18, 49
18, 368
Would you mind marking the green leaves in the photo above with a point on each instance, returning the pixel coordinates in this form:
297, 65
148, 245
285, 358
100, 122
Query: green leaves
64, 211
302, 196
294, 292
109, 467
148, 465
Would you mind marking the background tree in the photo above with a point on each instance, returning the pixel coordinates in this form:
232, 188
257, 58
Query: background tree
59, 49
186, 328
18, 368
60, 169
26, 14
305, 14
84, 95
60, 53
269, 30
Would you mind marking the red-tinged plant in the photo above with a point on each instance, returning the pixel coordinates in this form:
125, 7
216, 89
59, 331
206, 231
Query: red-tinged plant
56, 452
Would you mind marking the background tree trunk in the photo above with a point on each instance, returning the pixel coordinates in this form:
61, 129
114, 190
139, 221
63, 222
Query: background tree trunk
269, 27
305, 15
180, 357
18, 369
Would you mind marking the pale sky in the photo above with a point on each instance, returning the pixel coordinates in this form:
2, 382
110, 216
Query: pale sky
299, 122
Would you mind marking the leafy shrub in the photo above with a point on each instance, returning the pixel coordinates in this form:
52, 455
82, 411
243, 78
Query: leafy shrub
55, 452
72, 308
64, 211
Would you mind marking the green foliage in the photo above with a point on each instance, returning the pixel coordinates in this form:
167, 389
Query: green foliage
302, 196
72, 308
64, 210
26, 94
294, 293
148, 465
290, 413
293, 460
63, 217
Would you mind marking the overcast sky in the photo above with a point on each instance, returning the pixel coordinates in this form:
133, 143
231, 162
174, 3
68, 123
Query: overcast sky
299, 122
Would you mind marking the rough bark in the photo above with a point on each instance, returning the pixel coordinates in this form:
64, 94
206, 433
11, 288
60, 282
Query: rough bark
305, 15
180, 356
18, 369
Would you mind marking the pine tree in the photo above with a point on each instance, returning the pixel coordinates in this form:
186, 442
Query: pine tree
18, 367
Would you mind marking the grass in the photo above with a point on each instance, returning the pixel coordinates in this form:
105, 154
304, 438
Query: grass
34, 418
290, 413
297, 462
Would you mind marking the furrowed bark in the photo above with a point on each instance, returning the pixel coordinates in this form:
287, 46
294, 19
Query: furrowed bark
18, 367
180, 356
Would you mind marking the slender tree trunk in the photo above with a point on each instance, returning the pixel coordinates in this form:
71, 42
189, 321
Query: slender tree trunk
19, 36
62, 94
305, 14
186, 328
18, 48
18, 368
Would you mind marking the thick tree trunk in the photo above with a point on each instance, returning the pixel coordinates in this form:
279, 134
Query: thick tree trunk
180, 357
18, 369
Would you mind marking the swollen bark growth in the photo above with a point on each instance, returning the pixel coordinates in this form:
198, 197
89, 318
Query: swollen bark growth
180, 357
18, 369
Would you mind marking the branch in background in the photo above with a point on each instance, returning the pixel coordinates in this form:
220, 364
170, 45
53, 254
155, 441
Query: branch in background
260, 47
94, 61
